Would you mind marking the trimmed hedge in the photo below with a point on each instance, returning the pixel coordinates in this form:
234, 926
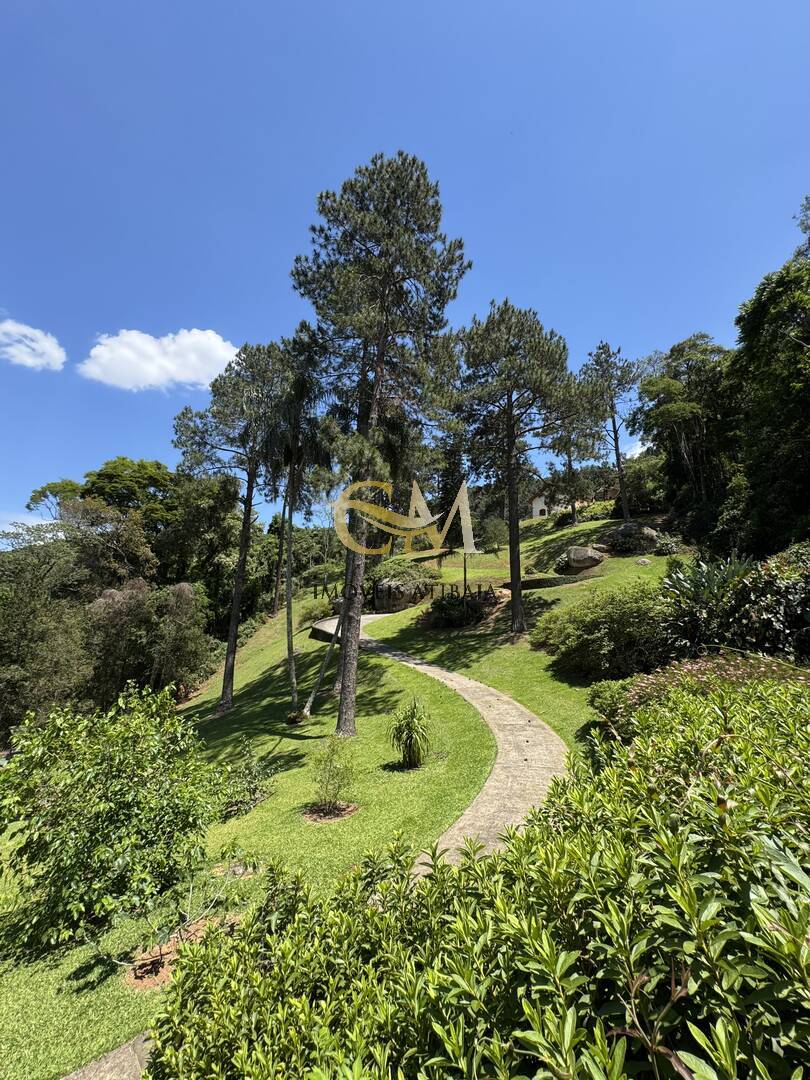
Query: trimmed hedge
652, 917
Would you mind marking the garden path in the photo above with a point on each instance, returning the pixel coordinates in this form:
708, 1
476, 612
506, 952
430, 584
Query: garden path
529, 753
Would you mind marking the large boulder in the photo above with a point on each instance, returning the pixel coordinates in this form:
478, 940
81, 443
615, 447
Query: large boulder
632, 538
392, 596
583, 558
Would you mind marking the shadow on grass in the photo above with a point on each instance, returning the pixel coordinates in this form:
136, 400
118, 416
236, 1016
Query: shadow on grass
261, 708
93, 971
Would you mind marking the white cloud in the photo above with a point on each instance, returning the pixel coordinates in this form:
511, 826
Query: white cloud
133, 360
636, 449
30, 347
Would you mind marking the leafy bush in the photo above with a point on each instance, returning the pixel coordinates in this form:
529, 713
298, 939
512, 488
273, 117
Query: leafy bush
314, 609
454, 612
403, 572
616, 702
667, 544
334, 773
769, 609
494, 534
247, 782
651, 917
108, 808
610, 634
600, 510
409, 732
698, 593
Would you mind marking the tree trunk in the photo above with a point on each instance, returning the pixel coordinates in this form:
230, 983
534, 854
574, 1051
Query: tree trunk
322, 669
280, 557
350, 638
347, 573
226, 697
620, 468
353, 604
518, 619
288, 590
572, 496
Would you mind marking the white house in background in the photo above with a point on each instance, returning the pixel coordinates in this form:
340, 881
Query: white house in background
540, 507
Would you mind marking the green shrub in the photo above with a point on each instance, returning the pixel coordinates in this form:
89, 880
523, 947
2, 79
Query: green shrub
494, 534
769, 609
667, 544
107, 808
610, 634
698, 593
454, 612
314, 609
616, 702
409, 731
334, 773
403, 572
601, 510
247, 782
654, 913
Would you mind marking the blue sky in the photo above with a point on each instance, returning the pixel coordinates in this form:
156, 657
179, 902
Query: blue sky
631, 170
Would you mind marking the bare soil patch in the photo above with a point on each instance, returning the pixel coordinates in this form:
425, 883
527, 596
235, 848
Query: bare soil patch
319, 815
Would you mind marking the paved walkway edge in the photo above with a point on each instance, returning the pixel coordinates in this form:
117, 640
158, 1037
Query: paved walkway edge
529, 754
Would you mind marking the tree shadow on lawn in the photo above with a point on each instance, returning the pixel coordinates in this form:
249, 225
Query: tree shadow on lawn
262, 706
543, 551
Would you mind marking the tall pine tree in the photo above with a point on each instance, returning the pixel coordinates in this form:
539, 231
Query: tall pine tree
515, 374
380, 275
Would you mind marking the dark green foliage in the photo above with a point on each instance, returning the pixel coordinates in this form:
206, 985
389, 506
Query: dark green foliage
452, 611
409, 731
404, 572
682, 416
108, 809
314, 609
698, 593
515, 381
152, 637
42, 626
610, 634
653, 913
769, 609
646, 484
769, 377
493, 534
246, 782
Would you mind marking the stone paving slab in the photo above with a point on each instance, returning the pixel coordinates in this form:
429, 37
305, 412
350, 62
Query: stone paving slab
127, 1062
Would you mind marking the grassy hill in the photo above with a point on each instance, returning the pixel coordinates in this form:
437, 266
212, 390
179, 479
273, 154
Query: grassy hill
488, 653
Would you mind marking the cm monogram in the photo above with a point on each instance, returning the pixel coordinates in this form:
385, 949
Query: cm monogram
418, 522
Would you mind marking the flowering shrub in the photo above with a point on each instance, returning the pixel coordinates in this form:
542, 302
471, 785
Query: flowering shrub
650, 920
616, 702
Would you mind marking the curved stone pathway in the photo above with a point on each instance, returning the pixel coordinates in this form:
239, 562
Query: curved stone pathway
529, 753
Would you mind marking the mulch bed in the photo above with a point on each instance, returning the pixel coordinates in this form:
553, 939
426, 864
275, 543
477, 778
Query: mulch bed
318, 815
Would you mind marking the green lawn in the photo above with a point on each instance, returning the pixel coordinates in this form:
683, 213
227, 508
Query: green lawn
61, 1011
487, 652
